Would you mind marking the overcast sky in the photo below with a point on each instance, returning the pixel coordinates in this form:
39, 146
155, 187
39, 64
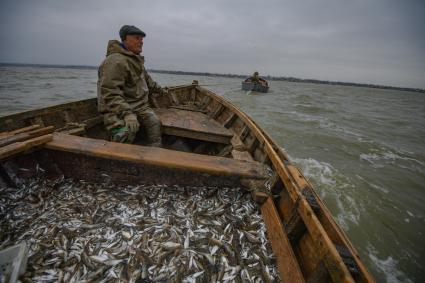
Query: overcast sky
365, 41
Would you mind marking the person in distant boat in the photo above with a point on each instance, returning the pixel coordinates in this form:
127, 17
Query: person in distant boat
123, 88
255, 78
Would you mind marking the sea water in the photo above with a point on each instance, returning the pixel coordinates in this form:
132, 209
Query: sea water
363, 150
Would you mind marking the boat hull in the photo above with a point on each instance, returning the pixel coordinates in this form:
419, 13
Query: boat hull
209, 141
249, 86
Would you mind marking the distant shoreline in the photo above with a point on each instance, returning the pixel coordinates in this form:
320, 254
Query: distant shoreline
267, 77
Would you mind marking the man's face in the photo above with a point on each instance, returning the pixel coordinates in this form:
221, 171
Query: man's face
134, 43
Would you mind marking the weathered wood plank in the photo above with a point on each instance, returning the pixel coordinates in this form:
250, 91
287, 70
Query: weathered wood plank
75, 131
252, 144
193, 108
194, 125
242, 155
195, 135
157, 156
237, 143
229, 121
225, 151
319, 274
91, 122
244, 132
287, 264
174, 99
38, 120
21, 146
192, 96
18, 131
217, 111
205, 102
25, 135
294, 227
298, 178
309, 259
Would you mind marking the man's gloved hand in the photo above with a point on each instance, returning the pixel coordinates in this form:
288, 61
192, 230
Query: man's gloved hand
131, 123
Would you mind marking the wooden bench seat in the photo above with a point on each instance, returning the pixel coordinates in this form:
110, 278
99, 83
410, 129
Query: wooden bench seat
157, 157
192, 124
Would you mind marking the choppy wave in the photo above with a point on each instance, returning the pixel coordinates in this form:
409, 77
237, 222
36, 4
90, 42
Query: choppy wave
333, 186
375, 186
314, 109
326, 123
388, 266
384, 157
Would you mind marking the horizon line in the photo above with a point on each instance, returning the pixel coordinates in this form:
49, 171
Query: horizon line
269, 77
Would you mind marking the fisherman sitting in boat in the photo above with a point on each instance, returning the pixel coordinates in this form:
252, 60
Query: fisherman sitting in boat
123, 87
255, 78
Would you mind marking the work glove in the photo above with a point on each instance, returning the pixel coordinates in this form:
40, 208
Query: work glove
131, 123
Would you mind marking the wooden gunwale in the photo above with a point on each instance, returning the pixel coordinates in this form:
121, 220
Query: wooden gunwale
323, 243
337, 235
46, 110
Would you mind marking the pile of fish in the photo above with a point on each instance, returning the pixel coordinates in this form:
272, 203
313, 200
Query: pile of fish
79, 231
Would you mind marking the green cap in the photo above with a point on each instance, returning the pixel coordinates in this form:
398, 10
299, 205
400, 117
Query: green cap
129, 30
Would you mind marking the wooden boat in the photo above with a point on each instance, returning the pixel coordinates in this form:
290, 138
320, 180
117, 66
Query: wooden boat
207, 140
252, 86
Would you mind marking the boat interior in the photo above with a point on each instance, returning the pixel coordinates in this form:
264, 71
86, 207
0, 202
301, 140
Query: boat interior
193, 138
206, 142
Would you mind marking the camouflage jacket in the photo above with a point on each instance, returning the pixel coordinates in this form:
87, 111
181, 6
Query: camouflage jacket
255, 78
123, 84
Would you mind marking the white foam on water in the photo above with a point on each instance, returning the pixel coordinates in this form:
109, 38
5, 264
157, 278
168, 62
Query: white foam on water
370, 158
322, 171
340, 129
325, 123
302, 117
391, 156
382, 189
388, 267
417, 216
379, 159
333, 185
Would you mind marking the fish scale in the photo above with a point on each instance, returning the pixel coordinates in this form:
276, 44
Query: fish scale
104, 227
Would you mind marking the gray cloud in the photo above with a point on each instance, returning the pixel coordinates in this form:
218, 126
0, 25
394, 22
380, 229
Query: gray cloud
381, 41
